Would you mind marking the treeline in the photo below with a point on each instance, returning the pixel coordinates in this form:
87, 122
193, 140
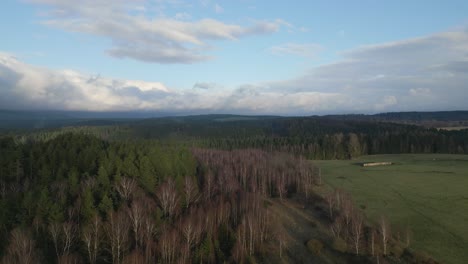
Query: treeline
79, 199
349, 145
311, 137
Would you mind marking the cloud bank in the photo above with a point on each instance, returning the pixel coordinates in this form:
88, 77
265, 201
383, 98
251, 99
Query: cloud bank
142, 35
427, 73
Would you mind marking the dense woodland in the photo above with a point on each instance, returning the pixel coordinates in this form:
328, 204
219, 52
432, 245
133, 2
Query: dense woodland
79, 199
192, 191
311, 137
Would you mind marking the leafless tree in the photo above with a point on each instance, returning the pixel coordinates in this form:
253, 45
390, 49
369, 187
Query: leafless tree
135, 257
55, 231
372, 236
68, 236
137, 213
168, 197
190, 190
70, 259
209, 180
126, 187
281, 186
191, 232
91, 236
168, 245
385, 233
240, 248
117, 230
149, 230
347, 208
356, 230
251, 223
282, 237
339, 195
408, 235
330, 199
63, 237
22, 248
337, 227
263, 216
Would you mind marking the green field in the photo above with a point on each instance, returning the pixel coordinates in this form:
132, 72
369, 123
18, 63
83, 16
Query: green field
428, 193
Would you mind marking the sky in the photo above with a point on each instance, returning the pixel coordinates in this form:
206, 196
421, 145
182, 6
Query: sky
236, 56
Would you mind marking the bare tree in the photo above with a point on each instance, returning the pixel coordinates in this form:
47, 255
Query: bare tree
263, 216
190, 190
408, 235
63, 237
168, 244
385, 233
22, 248
137, 213
372, 235
330, 199
347, 208
191, 231
251, 222
356, 230
168, 197
209, 180
240, 248
55, 232
91, 237
337, 227
126, 187
281, 186
70, 259
135, 257
117, 229
149, 230
68, 236
282, 237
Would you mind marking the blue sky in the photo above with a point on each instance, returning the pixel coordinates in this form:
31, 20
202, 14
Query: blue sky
245, 56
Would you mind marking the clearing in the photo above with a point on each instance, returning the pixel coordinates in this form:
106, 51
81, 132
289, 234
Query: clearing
427, 192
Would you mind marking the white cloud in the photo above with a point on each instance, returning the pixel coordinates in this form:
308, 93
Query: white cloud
26, 86
418, 92
151, 39
183, 16
427, 73
302, 50
207, 86
23, 86
218, 9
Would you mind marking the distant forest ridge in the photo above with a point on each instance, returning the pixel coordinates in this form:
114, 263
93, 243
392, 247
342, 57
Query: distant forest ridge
310, 137
15, 119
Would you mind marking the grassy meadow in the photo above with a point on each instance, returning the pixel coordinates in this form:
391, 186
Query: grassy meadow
427, 192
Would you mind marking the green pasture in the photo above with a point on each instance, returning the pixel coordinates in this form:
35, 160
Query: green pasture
427, 192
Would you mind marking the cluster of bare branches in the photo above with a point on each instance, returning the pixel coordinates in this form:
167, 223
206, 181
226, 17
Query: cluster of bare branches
183, 220
256, 171
347, 222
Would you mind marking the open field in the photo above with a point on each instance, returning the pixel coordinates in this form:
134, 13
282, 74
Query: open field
428, 193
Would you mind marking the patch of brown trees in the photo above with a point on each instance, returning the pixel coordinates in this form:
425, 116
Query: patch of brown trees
348, 223
215, 216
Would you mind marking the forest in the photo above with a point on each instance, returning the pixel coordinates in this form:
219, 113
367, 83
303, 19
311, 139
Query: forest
194, 190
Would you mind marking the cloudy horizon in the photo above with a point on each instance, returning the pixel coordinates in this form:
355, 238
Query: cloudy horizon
220, 57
